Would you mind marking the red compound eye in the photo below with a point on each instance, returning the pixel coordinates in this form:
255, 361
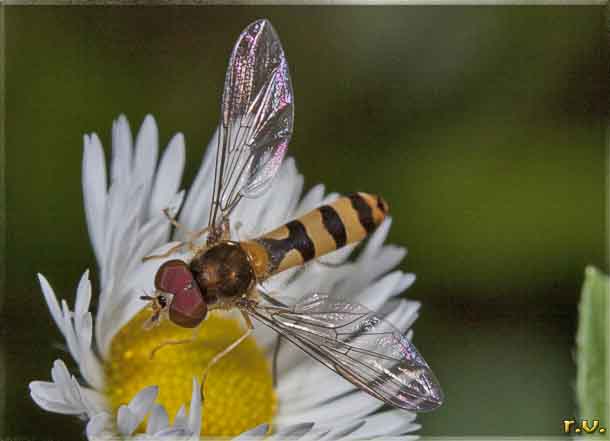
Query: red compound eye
188, 307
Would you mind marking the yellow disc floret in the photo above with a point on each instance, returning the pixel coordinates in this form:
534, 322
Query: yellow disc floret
238, 392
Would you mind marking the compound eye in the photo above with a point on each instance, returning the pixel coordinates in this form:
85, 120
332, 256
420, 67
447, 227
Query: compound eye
162, 301
187, 307
173, 276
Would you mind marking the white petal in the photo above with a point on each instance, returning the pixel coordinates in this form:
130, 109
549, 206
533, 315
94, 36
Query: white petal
122, 149
84, 331
48, 396
119, 220
349, 407
293, 431
167, 179
176, 202
62, 378
145, 161
389, 257
83, 298
93, 400
180, 420
330, 198
46, 390
377, 293
140, 404
151, 235
343, 430
389, 423
94, 192
99, 424
174, 433
123, 258
125, 297
374, 261
158, 420
56, 407
312, 199
126, 421
125, 306
283, 196
194, 419
51, 299
258, 431
303, 394
316, 434
102, 335
195, 212
403, 315
278, 204
147, 146
155, 232
339, 256
64, 395
309, 384
377, 238
91, 368
409, 334
408, 280
69, 333
121, 241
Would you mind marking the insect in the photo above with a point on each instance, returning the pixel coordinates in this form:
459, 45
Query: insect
255, 128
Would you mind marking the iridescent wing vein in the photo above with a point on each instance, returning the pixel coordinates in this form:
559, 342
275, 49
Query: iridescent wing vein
357, 344
256, 119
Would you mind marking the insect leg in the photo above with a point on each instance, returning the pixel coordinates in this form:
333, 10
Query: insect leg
168, 253
226, 229
276, 351
191, 235
173, 220
269, 297
175, 342
228, 349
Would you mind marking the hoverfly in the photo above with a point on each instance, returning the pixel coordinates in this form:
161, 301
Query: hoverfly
255, 128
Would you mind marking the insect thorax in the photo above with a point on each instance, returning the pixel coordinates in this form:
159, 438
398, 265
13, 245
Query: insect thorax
224, 270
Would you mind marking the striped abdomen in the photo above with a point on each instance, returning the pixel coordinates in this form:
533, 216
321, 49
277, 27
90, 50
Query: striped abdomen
325, 229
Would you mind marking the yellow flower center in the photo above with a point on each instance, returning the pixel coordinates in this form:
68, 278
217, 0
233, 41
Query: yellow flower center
239, 392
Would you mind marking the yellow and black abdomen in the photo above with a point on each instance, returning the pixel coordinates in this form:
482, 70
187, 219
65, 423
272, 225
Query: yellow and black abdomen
325, 229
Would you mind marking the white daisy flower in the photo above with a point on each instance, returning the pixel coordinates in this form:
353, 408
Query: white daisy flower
121, 391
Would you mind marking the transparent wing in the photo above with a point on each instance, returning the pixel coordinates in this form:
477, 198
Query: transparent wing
359, 345
256, 119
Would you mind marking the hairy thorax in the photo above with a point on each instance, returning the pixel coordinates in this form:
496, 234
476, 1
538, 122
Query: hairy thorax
224, 271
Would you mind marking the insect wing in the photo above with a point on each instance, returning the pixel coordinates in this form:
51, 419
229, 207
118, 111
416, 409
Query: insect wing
256, 119
359, 345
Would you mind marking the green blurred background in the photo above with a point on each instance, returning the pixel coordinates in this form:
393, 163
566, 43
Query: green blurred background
484, 128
